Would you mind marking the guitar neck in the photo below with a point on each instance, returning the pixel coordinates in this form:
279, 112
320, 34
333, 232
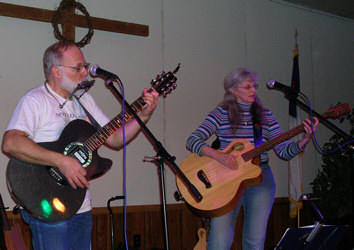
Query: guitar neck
270, 144
4, 216
163, 84
98, 138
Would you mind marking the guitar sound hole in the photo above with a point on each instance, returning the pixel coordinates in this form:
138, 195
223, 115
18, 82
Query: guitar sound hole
202, 176
81, 156
238, 146
78, 151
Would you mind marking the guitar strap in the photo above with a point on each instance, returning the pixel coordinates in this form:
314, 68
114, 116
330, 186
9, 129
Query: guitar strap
257, 132
92, 120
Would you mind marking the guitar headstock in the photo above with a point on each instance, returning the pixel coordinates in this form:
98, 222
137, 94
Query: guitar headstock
165, 83
337, 111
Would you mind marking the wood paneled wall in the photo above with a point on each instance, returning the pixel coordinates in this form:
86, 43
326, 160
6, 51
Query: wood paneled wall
146, 223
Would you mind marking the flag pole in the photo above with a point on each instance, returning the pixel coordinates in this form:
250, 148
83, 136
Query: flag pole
295, 165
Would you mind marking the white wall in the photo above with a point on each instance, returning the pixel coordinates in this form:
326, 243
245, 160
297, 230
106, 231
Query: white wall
209, 38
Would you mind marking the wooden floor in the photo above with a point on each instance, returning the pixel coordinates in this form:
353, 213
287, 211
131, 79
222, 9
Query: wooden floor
145, 228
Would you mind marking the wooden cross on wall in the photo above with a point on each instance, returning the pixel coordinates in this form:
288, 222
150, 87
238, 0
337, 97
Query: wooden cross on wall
72, 20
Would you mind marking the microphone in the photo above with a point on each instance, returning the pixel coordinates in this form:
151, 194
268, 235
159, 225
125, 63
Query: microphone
273, 84
95, 70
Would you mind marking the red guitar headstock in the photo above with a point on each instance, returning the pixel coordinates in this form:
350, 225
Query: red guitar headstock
337, 111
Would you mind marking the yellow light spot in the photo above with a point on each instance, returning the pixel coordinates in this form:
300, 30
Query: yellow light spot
58, 205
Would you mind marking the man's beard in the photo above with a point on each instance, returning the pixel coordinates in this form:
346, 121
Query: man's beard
67, 84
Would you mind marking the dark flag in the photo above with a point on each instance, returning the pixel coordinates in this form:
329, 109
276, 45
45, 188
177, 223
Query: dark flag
295, 164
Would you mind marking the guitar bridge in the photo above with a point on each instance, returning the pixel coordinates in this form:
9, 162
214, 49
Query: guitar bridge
58, 176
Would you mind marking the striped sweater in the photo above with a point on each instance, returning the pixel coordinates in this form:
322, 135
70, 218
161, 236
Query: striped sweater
217, 122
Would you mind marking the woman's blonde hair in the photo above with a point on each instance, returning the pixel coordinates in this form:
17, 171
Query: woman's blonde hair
232, 80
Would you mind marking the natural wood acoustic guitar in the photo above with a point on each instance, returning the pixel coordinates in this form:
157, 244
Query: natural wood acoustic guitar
222, 187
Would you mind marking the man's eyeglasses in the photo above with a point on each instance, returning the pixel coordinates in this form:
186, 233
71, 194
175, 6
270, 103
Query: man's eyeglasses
248, 87
78, 69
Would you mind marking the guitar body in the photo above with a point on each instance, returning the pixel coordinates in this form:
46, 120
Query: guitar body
44, 191
225, 186
35, 189
221, 187
202, 243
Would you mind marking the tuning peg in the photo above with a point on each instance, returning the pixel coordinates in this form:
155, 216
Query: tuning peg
177, 68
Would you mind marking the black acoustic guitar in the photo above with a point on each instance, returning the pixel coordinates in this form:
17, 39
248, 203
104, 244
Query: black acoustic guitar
43, 190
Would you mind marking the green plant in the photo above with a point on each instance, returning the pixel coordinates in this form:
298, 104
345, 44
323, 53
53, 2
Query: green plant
333, 183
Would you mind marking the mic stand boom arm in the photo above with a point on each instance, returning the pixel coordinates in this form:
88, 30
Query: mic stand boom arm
323, 120
161, 150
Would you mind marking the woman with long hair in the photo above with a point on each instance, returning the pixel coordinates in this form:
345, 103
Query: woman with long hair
241, 115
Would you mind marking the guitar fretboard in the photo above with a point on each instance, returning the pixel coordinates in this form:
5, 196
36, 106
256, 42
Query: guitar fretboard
98, 138
270, 144
163, 84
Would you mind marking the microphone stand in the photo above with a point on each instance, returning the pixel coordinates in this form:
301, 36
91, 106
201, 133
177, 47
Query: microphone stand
306, 197
111, 217
291, 96
161, 156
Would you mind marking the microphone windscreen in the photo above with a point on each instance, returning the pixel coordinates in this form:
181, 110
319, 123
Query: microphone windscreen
93, 69
271, 84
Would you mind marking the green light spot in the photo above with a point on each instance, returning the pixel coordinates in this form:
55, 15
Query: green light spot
47, 208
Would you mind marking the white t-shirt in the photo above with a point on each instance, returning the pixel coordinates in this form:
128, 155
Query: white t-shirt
39, 115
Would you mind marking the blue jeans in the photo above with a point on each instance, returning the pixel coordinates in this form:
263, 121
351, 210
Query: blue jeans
73, 233
257, 202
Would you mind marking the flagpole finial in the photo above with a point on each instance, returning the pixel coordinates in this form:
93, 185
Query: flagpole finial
296, 50
296, 35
